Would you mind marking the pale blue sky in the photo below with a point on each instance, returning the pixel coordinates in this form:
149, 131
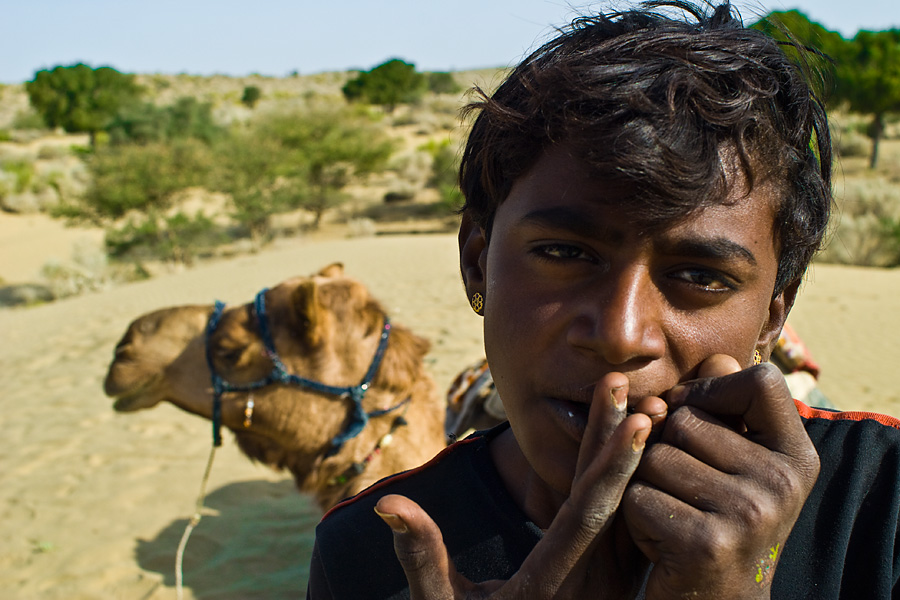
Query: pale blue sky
275, 37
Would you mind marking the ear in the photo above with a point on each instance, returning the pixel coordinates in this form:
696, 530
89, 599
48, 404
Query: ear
332, 270
779, 308
472, 255
306, 313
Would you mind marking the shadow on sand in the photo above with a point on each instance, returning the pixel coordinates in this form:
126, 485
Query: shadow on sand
254, 541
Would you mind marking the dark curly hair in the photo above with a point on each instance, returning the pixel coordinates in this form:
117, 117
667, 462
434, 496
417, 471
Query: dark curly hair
655, 103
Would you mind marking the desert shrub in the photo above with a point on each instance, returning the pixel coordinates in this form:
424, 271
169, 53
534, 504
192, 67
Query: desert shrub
445, 172
849, 143
23, 173
867, 225
53, 151
28, 119
145, 123
442, 83
259, 174
303, 160
5, 135
143, 178
251, 96
178, 238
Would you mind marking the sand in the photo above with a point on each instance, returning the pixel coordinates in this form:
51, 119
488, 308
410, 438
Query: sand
93, 503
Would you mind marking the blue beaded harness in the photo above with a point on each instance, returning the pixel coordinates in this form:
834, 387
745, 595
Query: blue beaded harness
279, 374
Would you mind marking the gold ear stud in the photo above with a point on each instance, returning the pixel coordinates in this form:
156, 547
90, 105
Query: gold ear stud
477, 302
757, 357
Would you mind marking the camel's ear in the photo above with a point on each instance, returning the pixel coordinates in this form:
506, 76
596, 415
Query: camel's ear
306, 313
332, 270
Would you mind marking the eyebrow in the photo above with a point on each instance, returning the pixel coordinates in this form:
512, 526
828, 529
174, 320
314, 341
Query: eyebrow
586, 225
718, 248
575, 221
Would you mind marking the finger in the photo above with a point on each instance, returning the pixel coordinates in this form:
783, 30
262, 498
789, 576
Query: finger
718, 365
655, 408
716, 442
420, 549
562, 557
709, 478
758, 395
608, 408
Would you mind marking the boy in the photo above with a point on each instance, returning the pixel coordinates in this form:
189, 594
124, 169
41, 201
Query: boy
643, 196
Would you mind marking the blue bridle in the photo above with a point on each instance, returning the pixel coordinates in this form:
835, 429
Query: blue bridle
279, 374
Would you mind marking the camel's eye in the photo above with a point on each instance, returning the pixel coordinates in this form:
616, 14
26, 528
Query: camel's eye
229, 355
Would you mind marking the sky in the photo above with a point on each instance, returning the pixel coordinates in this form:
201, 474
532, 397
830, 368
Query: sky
276, 37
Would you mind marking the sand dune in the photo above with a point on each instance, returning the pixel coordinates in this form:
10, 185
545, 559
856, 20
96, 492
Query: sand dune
92, 503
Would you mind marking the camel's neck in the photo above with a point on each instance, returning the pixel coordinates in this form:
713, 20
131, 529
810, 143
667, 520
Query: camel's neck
389, 444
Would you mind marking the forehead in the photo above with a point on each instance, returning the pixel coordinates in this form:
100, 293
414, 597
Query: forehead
559, 182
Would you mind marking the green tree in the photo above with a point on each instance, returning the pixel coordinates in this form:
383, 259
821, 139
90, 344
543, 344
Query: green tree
805, 32
868, 79
389, 84
251, 96
79, 98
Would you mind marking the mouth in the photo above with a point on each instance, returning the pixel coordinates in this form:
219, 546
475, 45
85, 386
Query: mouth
571, 416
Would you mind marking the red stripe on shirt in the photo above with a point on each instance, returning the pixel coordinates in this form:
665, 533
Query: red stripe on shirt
850, 415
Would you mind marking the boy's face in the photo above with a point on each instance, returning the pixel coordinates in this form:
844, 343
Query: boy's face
573, 292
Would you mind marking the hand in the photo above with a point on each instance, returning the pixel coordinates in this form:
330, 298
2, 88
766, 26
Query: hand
579, 554
714, 501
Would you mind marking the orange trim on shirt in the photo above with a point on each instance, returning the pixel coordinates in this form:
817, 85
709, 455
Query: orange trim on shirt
850, 415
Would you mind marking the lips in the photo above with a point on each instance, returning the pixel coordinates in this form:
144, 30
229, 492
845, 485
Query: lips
571, 416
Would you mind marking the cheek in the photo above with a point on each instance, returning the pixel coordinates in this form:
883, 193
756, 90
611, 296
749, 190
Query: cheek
694, 338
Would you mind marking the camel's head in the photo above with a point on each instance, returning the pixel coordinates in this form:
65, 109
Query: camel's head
325, 328
136, 376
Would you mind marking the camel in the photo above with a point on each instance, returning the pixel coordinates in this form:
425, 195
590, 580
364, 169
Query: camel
326, 329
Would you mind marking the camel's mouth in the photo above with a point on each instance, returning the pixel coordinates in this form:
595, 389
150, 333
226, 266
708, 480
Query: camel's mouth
134, 397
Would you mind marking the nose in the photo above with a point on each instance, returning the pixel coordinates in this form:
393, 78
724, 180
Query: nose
618, 318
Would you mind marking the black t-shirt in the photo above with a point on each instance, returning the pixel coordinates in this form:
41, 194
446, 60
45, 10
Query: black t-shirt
844, 544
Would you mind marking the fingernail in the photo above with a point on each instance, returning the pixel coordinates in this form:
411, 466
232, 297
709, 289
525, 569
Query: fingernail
619, 398
396, 524
639, 440
677, 395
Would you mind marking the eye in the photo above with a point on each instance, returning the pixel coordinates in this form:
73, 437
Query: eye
559, 251
706, 279
229, 355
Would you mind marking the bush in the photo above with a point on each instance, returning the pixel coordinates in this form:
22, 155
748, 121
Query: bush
868, 225
445, 173
179, 238
28, 119
145, 123
251, 96
142, 178
307, 158
22, 171
442, 83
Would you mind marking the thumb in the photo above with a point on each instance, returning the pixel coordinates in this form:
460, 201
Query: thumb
420, 549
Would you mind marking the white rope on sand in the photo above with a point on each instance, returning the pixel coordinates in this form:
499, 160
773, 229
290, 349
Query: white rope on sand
195, 519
